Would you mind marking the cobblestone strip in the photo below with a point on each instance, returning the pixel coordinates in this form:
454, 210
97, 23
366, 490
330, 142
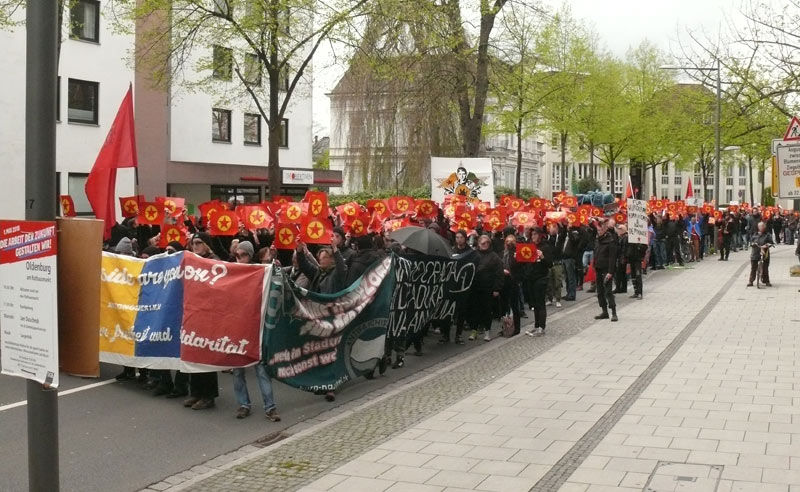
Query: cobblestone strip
572, 459
302, 458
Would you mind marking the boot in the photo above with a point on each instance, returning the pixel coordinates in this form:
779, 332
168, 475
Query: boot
614, 314
603, 315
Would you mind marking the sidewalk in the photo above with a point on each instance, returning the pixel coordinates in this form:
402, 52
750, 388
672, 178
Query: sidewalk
702, 371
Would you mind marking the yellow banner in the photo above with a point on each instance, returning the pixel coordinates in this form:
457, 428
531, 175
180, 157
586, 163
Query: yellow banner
118, 287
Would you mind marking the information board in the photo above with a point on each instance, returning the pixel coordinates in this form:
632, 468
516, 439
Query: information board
28, 301
788, 171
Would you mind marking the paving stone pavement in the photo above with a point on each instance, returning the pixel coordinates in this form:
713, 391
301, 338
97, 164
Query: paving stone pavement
537, 414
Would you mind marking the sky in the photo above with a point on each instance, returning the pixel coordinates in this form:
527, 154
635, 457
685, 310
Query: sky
620, 24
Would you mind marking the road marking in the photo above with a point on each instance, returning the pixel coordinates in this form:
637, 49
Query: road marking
61, 393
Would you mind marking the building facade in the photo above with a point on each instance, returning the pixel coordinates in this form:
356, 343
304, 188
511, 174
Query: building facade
189, 144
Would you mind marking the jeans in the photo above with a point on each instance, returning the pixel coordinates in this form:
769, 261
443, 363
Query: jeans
569, 267
264, 384
788, 236
587, 258
554, 282
605, 292
661, 253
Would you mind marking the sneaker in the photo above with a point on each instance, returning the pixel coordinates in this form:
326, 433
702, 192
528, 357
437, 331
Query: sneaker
400, 362
177, 393
533, 309
538, 332
190, 401
768, 284
530, 332
603, 315
634, 296
243, 412
473, 335
418, 353
272, 415
204, 404
487, 337
125, 374
548, 303
558, 303
459, 341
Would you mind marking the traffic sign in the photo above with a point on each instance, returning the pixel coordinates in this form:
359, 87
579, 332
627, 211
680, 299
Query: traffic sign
788, 171
793, 132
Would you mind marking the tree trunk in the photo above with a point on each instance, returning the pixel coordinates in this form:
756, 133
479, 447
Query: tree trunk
750, 179
761, 177
611, 181
591, 160
519, 155
563, 161
654, 182
274, 144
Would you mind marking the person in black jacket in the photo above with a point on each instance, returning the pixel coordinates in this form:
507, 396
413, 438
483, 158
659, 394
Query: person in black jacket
569, 258
761, 241
360, 260
605, 258
510, 299
556, 237
538, 273
487, 284
621, 268
462, 306
634, 254
726, 226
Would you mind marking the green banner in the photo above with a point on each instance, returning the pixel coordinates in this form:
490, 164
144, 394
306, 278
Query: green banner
317, 342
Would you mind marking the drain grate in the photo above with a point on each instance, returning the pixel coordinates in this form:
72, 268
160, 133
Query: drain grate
684, 477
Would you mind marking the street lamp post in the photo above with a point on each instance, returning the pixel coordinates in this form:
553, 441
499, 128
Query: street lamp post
717, 120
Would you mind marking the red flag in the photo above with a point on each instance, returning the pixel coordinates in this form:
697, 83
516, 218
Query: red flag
292, 212
569, 202
285, 236
689, 189
170, 233
524, 219
526, 253
118, 151
173, 207
315, 230
357, 226
493, 223
223, 223
629, 189
427, 209
150, 213
68, 206
317, 203
207, 209
349, 211
254, 216
130, 205
378, 206
400, 205
375, 223
281, 199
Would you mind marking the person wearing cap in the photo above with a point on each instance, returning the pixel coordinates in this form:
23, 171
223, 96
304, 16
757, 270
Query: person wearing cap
244, 253
203, 386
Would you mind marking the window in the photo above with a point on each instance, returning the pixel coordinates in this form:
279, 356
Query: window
554, 142
664, 194
252, 129
664, 180
709, 195
223, 63
220, 125
742, 181
710, 180
677, 196
665, 169
76, 187
240, 195
729, 180
84, 20
285, 132
742, 170
678, 180
82, 101
252, 69
729, 196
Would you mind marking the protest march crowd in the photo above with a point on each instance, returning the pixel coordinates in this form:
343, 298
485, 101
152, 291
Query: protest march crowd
528, 255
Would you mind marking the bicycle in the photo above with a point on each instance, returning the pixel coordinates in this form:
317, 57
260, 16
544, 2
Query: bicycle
763, 256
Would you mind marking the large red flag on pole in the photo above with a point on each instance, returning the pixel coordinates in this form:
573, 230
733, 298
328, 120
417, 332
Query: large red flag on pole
118, 151
629, 189
689, 190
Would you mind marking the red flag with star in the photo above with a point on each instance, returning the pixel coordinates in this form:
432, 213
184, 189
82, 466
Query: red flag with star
569, 201
150, 213
401, 205
173, 207
358, 225
315, 230
170, 233
523, 219
427, 209
292, 212
317, 203
378, 206
254, 217
281, 199
375, 223
207, 209
526, 253
129, 205
349, 211
67, 206
286, 235
223, 223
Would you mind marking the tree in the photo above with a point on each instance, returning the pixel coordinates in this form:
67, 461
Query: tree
588, 184
7, 10
206, 45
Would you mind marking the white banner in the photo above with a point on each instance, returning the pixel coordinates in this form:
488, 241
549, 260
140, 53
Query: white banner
637, 221
471, 177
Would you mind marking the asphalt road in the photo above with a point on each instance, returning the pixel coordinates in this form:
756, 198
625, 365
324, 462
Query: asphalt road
118, 437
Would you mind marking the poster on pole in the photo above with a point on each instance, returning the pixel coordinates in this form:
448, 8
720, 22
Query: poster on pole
469, 177
788, 171
28, 301
637, 221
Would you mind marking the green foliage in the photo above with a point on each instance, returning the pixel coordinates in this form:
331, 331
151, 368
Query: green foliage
588, 184
361, 197
767, 199
523, 193
324, 162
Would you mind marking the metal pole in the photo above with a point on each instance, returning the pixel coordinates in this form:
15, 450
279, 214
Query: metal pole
717, 124
41, 70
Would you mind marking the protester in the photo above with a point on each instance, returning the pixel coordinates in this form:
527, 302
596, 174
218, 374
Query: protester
569, 258
339, 241
511, 300
605, 257
361, 259
760, 243
634, 254
329, 275
556, 237
538, 276
487, 285
726, 230
694, 238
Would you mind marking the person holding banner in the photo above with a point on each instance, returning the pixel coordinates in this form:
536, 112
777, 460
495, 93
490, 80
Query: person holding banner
244, 254
538, 274
203, 386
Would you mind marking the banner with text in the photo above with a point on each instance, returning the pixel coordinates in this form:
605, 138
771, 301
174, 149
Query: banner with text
637, 221
317, 342
181, 311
